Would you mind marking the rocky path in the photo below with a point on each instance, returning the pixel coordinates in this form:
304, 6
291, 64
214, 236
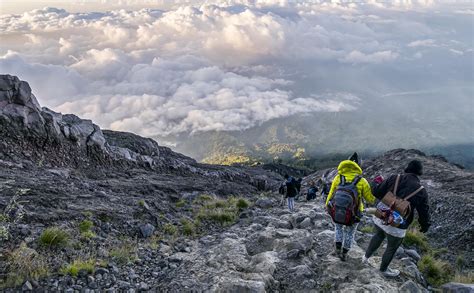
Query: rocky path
273, 250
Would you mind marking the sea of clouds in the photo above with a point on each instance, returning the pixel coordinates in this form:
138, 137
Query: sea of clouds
231, 65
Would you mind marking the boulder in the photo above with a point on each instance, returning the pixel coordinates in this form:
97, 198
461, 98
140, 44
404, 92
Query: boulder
413, 254
147, 230
409, 287
457, 288
264, 203
305, 223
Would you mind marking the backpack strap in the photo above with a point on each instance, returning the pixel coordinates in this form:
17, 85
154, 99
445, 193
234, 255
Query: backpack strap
343, 180
396, 185
356, 180
413, 193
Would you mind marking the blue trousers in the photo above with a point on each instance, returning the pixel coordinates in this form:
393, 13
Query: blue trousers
291, 203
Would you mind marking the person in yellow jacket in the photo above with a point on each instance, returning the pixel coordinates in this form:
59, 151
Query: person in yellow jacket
350, 169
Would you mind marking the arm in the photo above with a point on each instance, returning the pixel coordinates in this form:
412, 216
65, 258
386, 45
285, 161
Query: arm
367, 192
384, 187
423, 210
334, 185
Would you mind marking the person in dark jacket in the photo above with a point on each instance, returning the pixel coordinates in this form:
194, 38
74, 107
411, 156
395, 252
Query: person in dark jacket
409, 183
290, 191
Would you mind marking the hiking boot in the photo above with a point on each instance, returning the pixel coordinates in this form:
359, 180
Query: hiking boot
389, 273
343, 256
365, 260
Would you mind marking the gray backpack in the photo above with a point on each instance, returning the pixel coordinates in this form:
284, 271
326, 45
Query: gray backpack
344, 205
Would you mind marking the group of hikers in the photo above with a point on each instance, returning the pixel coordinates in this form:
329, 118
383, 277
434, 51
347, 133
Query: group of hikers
395, 199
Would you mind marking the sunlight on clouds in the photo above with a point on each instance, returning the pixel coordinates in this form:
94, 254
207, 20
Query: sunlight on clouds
225, 65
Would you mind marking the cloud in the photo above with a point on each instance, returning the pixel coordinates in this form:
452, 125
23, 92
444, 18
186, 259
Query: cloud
356, 57
227, 65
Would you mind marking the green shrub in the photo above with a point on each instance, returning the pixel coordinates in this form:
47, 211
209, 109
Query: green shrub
78, 265
88, 234
242, 203
54, 236
418, 239
437, 272
124, 253
24, 264
141, 203
85, 226
180, 203
170, 229
188, 227
367, 229
460, 262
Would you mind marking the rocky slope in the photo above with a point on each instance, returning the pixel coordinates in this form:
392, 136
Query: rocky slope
147, 219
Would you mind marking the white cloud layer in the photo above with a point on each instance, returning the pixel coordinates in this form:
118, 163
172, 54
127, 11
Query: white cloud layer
228, 65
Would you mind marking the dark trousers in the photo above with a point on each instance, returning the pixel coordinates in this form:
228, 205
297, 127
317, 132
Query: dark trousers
392, 245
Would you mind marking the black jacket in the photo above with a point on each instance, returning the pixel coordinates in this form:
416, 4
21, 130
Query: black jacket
408, 183
291, 187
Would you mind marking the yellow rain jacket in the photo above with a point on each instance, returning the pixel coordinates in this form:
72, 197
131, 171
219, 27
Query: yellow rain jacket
350, 170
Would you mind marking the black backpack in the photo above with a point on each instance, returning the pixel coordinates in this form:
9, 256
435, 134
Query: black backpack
344, 205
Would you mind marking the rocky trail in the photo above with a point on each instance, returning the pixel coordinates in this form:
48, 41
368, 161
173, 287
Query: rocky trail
274, 250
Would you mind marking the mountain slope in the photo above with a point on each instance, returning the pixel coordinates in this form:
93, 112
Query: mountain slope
86, 209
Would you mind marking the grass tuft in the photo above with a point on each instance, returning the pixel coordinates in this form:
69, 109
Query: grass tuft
181, 203
124, 253
170, 229
85, 226
24, 264
78, 265
54, 237
437, 272
418, 239
242, 203
189, 229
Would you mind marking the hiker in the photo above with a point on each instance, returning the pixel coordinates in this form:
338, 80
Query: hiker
298, 187
312, 191
290, 191
344, 203
409, 189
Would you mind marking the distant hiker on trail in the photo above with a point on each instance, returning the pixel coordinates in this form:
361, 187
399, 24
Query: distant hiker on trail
290, 191
344, 202
406, 195
298, 187
312, 191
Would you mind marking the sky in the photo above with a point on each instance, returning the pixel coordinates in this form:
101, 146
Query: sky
161, 68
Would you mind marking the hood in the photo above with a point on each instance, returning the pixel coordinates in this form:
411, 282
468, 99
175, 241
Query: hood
349, 167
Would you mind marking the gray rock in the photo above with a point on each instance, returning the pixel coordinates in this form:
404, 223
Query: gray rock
143, 286
101, 271
305, 223
409, 287
27, 286
264, 203
413, 254
147, 230
294, 253
457, 288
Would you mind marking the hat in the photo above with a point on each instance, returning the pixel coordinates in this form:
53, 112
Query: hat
355, 158
414, 167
